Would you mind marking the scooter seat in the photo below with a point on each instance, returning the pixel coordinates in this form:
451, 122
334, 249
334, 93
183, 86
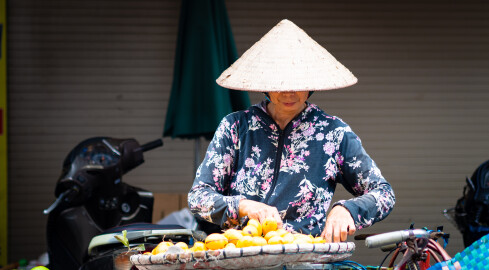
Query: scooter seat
140, 233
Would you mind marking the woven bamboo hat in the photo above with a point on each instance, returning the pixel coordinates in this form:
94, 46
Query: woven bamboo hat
286, 59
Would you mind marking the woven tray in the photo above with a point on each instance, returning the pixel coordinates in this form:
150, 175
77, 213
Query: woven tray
249, 257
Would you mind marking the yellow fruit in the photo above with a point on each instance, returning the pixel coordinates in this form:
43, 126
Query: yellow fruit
254, 222
288, 238
302, 240
215, 241
245, 241
269, 225
250, 230
233, 235
259, 241
162, 247
270, 235
198, 246
282, 232
230, 246
182, 245
276, 240
298, 235
318, 240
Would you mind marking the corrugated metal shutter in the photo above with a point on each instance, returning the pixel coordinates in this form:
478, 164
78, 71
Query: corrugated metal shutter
90, 68
79, 69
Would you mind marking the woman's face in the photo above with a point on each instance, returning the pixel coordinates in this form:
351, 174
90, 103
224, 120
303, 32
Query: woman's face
289, 102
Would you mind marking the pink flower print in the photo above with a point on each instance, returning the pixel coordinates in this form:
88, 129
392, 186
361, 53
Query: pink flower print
309, 131
319, 137
295, 124
226, 159
249, 162
265, 185
283, 163
329, 148
306, 153
273, 127
215, 172
339, 158
304, 190
290, 162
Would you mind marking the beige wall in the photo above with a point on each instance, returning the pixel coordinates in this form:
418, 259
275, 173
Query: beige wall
103, 68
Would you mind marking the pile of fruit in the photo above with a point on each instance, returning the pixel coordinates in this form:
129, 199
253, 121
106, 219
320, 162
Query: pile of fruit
253, 234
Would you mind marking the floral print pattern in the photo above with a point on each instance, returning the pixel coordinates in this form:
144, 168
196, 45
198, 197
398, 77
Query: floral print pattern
295, 169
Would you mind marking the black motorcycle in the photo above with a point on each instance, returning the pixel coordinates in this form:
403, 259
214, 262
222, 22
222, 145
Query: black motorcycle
93, 205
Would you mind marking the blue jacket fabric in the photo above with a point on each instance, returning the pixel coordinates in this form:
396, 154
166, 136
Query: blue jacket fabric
295, 170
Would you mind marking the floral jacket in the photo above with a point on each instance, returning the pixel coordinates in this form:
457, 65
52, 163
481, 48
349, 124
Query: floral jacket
295, 170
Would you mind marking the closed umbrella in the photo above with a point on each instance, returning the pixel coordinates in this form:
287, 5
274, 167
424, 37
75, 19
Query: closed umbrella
205, 48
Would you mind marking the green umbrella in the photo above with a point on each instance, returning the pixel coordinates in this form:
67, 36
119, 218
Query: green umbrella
205, 48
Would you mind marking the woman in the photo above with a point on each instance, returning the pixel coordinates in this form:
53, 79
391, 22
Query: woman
282, 158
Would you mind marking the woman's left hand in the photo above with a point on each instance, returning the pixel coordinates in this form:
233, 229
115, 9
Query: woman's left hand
339, 224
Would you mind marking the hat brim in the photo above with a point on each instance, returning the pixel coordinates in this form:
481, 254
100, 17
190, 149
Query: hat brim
286, 59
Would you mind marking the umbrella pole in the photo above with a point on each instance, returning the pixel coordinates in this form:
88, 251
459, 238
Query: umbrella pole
196, 154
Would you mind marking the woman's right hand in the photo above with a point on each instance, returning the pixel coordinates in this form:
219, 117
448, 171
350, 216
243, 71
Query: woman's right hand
259, 211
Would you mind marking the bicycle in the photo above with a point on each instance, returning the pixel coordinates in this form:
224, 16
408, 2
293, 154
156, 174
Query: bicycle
416, 245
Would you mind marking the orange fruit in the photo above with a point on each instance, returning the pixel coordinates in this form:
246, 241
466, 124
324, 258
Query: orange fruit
268, 225
276, 240
233, 235
270, 235
288, 238
182, 245
259, 241
245, 241
198, 246
250, 230
215, 241
254, 222
302, 240
318, 240
162, 247
282, 232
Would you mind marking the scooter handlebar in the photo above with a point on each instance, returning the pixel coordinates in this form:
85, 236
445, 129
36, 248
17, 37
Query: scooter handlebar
151, 145
389, 238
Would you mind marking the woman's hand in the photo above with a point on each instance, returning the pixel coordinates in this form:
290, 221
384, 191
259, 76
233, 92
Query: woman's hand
258, 211
339, 224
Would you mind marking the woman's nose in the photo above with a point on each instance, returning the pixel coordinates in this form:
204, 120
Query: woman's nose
288, 93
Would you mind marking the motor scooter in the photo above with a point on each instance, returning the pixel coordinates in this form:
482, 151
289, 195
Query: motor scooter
93, 204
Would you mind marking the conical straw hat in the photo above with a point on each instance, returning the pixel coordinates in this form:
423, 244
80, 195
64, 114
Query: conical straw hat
286, 59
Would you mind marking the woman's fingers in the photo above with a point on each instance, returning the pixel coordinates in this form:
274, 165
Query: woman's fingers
339, 224
259, 211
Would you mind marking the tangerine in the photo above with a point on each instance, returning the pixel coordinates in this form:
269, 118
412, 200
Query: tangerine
245, 241
215, 241
233, 235
256, 223
268, 225
250, 230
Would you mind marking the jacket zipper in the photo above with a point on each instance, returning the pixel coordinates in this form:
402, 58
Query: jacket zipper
278, 159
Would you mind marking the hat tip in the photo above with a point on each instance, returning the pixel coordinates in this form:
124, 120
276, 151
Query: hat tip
286, 21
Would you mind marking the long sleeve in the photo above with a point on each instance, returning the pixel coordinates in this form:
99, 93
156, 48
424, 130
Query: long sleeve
374, 197
208, 196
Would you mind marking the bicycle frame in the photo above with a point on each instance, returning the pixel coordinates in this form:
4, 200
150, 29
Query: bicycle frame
417, 247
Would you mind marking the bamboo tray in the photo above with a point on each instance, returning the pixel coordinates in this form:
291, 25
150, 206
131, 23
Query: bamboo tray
249, 257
